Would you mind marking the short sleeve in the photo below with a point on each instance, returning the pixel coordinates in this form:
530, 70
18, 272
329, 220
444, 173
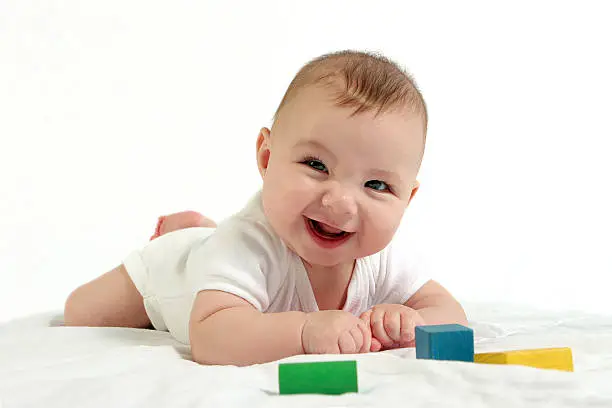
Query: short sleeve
235, 259
404, 271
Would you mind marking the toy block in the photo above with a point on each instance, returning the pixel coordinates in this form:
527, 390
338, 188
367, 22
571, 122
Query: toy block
452, 342
550, 358
324, 377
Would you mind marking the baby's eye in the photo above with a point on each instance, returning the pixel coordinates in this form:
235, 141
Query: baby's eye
316, 164
377, 185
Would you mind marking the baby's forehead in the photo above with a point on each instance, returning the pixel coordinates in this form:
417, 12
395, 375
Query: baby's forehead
381, 138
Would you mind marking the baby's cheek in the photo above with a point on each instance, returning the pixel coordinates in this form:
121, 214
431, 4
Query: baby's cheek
377, 235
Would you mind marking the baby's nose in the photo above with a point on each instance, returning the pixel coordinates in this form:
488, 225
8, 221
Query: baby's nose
339, 201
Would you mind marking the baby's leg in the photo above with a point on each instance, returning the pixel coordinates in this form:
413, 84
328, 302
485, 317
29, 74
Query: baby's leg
110, 300
180, 220
113, 299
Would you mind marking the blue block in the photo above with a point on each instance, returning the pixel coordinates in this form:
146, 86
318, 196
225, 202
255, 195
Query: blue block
445, 342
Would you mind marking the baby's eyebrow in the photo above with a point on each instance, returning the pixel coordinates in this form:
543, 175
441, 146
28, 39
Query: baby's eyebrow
386, 175
316, 145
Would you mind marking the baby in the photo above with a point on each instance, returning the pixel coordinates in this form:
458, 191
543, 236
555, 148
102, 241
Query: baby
310, 264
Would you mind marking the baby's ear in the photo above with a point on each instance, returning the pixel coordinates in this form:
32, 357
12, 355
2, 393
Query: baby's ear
263, 150
415, 188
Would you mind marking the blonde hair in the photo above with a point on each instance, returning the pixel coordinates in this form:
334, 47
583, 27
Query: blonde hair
368, 82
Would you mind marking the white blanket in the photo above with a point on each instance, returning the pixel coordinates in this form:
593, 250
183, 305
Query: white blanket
45, 365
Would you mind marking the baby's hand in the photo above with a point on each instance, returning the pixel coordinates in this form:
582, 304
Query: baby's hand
335, 332
392, 325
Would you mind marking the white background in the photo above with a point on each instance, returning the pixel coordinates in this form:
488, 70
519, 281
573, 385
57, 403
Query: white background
113, 113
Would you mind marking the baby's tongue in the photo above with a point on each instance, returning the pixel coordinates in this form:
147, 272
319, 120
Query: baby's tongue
330, 230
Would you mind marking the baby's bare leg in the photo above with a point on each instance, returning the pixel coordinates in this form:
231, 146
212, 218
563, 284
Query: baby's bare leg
110, 300
180, 220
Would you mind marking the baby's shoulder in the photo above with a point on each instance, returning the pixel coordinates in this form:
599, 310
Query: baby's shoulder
249, 236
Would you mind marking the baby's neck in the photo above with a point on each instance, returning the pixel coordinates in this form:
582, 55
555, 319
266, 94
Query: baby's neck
330, 284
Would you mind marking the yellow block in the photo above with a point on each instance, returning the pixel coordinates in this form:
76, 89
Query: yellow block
551, 358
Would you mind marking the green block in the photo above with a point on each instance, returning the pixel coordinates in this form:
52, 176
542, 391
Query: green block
324, 377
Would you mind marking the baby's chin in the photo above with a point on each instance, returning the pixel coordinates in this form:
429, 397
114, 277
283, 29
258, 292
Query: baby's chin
317, 259
325, 262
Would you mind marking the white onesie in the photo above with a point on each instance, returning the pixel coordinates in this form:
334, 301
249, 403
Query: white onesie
243, 256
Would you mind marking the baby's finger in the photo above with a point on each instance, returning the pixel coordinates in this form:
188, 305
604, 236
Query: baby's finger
357, 338
366, 334
346, 344
407, 330
392, 324
378, 329
365, 316
376, 346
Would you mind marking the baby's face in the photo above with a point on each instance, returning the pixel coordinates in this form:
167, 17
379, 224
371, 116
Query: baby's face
335, 187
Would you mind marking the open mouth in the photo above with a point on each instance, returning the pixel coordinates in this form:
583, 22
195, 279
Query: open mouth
326, 232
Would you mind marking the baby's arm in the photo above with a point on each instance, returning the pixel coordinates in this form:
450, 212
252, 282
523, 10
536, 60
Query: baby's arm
436, 305
226, 329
